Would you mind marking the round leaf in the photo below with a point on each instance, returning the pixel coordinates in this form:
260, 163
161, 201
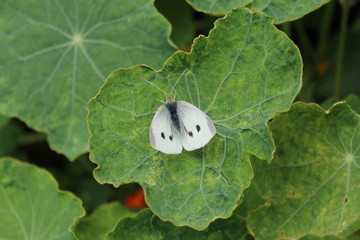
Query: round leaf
287, 10
240, 75
312, 185
56, 54
280, 10
101, 221
31, 205
147, 226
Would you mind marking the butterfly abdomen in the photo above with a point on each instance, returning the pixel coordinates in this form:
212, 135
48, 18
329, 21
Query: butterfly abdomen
175, 122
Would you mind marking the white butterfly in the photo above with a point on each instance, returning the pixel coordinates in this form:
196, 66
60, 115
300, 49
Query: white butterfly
179, 124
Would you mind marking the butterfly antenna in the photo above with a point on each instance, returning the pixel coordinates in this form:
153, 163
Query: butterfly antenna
160, 101
182, 74
155, 86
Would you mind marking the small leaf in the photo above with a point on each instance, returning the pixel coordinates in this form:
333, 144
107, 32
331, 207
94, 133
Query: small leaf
244, 72
101, 221
280, 10
312, 185
9, 135
31, 205
147, 226
180, 15
352, 99
56, 54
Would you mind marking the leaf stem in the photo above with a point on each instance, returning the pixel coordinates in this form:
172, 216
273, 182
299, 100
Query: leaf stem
324, 30
341, 48
32, 138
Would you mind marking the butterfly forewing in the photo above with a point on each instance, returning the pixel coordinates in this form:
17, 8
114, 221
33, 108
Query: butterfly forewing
198, 128
162, 136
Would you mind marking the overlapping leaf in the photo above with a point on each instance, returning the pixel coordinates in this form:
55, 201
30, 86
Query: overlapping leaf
217, 6
285, 10
240, 76
31, 205
101, 221
56, 54
353, 100
312, 185
147, 226
180, 15
9, 135
280, 10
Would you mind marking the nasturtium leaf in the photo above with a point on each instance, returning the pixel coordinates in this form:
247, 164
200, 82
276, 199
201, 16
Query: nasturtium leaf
101, 221
312, 185
218, 6
352, 99
180, 15
280, 10
328, 103
313, 237
287, 10
240, 75
250, 201
354, 236
9, 135
32, 206
56, 54
147, 226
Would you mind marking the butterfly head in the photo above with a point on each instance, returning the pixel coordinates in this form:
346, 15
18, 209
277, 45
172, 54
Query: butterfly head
170, 99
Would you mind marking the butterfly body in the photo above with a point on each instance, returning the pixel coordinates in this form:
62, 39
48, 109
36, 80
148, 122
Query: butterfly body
175, 121
179, 124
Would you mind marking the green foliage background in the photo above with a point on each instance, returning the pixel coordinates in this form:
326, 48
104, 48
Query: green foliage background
75, 112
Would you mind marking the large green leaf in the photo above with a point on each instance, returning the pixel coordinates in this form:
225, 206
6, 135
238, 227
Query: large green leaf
217, 6
101, 221
56, 54
287, 10
312, 185
147, 226
31, 205
240, 75
280, 10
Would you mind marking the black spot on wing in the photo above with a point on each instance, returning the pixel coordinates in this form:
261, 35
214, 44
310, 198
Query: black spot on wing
171, 138
198, 128
190, 134
163, 135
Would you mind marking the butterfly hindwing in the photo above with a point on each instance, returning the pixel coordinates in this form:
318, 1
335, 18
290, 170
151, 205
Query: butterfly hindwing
198, 128
162, 136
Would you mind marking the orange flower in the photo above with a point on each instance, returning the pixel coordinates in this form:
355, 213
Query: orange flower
321, 66
136, 200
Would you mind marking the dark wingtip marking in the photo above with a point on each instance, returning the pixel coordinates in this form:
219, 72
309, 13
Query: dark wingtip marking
190, 134
163, 135
171, 138
198, 128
